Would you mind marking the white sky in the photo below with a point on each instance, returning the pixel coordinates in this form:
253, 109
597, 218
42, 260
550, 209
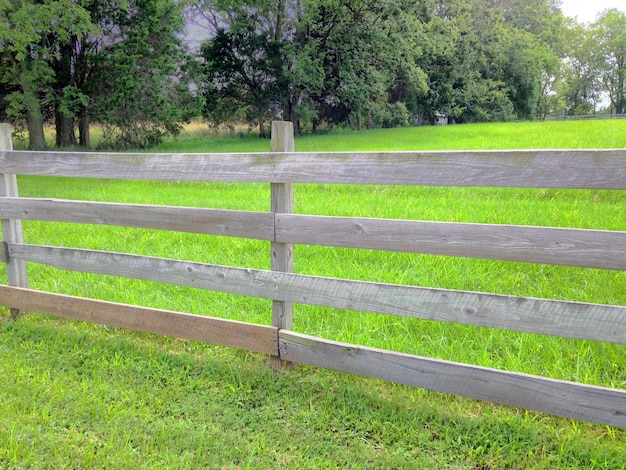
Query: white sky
587, 10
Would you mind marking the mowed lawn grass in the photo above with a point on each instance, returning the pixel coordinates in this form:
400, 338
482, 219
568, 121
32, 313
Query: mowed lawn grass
76, 395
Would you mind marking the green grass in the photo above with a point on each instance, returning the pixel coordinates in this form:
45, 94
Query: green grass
554, 134
86, 396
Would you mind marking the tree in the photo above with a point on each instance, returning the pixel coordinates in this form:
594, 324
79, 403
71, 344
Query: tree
136, 84
243, 67
356, 58
609, 36
463, 58
244, 61
373, 63
32, 36
311, 60
580, 85
118, 61
489, 59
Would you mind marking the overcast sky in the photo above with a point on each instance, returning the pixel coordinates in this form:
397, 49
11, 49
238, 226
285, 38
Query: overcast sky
587, 10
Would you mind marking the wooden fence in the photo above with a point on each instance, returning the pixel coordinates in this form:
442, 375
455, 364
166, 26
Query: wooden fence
282, 167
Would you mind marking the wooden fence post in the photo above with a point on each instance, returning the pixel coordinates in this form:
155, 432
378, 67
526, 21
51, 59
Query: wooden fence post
282, 253
11, 229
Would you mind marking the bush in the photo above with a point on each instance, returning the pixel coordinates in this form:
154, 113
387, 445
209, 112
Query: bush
396, 115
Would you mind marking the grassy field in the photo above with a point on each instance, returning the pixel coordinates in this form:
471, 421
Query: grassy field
87, 396
552, 134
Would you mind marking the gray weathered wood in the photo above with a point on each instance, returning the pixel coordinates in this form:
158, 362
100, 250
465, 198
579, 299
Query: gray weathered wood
592, 169
599, 169
561, 246
239, 281
11, 227
251, 337
568, 399
282, 201
558, 318
257, 225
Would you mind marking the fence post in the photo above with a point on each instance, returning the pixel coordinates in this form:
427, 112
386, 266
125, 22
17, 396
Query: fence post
11, 229
282, 253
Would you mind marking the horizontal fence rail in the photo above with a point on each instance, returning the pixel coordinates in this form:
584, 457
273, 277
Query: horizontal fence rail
565, 247
256, 338
573, 169
561, 246
259, 225
557, 318
578, 401
576, 169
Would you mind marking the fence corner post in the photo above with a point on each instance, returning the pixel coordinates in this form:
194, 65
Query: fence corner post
282, 201
11, 228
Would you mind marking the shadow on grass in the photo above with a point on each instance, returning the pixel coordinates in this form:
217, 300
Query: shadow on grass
91, 396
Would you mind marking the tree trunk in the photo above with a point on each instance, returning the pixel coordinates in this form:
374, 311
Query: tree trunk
261, 127
65, 130
619, 106
84, 139
34, 118
36, 135
290, 115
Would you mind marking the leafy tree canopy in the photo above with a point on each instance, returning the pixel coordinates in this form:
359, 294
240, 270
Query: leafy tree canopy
116, 62
124, 64
377, 64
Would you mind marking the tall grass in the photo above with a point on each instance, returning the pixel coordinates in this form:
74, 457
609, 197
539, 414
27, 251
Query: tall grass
170, 403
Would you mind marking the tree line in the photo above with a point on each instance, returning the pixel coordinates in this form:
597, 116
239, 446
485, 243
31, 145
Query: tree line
129, 66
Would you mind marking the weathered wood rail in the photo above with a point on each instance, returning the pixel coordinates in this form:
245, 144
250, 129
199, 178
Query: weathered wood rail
590, 169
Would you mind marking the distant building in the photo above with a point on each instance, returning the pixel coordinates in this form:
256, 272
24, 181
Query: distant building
441, 119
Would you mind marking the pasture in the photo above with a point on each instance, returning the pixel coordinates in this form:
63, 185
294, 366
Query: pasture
83, 396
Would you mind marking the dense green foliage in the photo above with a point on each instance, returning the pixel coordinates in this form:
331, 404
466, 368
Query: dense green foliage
319, 63
378, 64
132, 84
73, 61
594, 67
389, 63
88, 396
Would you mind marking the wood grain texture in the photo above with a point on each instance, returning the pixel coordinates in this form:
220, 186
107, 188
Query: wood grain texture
561, 246
11, 227
599, 169
567, 399
240, 281
282, 201
6, 140
256, 338
558, 318
257, 225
